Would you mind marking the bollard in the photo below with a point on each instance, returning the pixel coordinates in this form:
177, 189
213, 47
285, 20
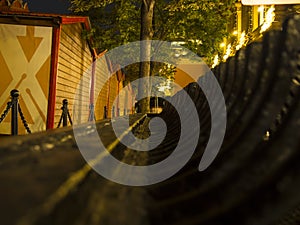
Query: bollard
65, 115
92, 113
65, 112
105, 112
14, 111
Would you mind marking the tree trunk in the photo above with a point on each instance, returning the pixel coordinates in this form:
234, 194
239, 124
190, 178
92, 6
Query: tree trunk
145, 53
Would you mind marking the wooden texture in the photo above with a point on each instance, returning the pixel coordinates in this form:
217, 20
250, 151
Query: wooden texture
74, 73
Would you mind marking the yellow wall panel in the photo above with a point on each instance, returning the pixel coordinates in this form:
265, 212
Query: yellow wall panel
25, 53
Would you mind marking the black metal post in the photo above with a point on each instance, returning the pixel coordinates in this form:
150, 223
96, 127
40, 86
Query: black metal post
14, 111
92, 112
65, 112
105, 112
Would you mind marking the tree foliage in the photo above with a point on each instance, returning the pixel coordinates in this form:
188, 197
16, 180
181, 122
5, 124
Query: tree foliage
113, 24
201, 24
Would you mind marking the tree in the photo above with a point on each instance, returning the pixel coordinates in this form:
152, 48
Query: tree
199, 25
147, 13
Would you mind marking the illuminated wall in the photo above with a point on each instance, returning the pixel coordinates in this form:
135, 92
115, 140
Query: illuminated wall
248, 24
73, 74
25, 57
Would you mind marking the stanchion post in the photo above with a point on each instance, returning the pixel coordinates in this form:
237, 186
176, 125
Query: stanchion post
65, 112
105, 112
14, 111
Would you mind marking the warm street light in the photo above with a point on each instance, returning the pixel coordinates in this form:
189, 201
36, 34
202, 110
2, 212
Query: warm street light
242, 41
228, 52
216, 61
261, 9
270, 17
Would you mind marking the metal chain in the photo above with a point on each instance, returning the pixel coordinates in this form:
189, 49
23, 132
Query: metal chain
24, 120
6, 111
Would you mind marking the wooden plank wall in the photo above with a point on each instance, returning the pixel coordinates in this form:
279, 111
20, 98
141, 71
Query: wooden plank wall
113, 93
74, 73
121, 97
107, 89
101, 87
129, 99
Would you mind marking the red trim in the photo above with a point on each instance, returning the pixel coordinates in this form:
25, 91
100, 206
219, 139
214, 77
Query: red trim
108, 95
65, 19
79, 19
100, 54
92, 91
53, 77
109, 65
118, 98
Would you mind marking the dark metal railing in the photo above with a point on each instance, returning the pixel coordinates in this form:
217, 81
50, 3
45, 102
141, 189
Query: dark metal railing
15, 108
65, 115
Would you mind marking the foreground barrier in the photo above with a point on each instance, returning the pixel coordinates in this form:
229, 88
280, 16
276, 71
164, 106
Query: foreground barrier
15, 108
65, 115
254, 179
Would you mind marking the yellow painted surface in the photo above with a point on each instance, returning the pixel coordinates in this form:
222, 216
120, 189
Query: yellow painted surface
74, 74
25, 53
186, 75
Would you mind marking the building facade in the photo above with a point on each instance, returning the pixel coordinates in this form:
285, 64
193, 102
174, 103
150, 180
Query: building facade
249, 23
47, 59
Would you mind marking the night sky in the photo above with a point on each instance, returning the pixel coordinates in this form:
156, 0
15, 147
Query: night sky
49, 6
